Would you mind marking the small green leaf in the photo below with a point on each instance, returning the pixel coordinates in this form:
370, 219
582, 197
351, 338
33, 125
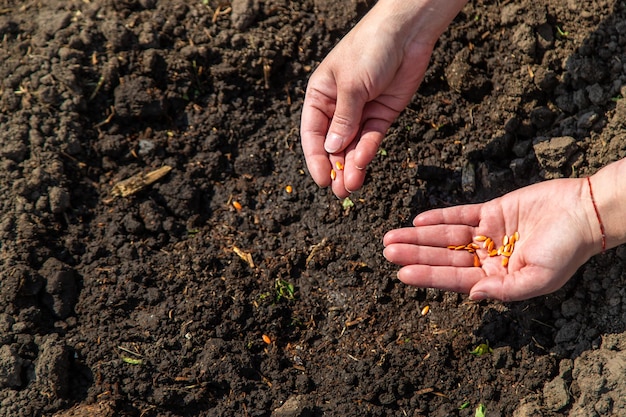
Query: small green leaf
132, 361
481, 349
347, 203
480, 411
465, 405
382, 152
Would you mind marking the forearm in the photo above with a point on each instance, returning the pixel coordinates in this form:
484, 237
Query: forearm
420, 21
609, 193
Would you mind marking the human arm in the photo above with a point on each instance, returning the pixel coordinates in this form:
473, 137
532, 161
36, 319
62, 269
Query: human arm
364, 83
558, 227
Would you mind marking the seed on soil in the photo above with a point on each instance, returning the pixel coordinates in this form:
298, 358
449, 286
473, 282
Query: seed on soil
425, 310
266, 339
237, 205
288, 189
333, 174
339, 166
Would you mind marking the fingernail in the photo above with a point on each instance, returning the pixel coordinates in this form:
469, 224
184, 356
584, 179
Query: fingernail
333, 143
478, 296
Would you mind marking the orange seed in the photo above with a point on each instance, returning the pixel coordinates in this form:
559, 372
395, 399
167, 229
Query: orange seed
339, 165
266, 339
425, 310
333, 174
476, 261
480, 238
505, 261
289, 189
237, 205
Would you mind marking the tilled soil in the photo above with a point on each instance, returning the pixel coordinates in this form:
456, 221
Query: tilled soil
231, 285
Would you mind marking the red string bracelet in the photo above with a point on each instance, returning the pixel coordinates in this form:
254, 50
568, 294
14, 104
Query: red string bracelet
595, 207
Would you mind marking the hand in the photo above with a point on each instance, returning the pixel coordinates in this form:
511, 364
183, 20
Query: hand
363, 84
558, 232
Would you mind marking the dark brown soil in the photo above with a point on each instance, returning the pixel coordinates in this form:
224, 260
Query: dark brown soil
161, 303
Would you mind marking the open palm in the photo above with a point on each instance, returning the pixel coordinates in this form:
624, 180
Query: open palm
558, 233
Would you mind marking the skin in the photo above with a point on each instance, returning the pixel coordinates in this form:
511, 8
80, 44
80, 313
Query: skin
559, 231
352, 99
363, 85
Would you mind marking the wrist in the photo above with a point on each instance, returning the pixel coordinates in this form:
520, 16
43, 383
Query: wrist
419, 21
609, 198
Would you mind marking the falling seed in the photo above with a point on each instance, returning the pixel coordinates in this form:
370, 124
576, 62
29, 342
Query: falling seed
237, 205
333, 174
266, 339
289, 189
339, 165
425, 310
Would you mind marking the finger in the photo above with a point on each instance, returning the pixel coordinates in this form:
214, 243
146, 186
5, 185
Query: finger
313, 133
447, 278
407, 254
437, 235
468, 214
346, 119
353, 177
337, 175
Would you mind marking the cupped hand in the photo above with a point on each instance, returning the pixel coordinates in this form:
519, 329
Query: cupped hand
356, 93
558, 232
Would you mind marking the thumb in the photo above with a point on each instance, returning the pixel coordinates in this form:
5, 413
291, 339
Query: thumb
491, 288
345, 123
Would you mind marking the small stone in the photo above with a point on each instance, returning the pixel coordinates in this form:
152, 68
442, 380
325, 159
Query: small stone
52, 367
553, 153
555, 394
59, 199
61, 290
295, 406
10, 368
